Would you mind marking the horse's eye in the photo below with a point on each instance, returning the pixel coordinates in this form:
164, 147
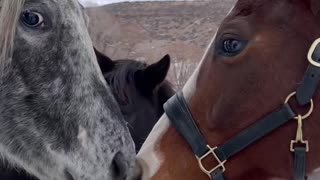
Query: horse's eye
232, 47
32, 19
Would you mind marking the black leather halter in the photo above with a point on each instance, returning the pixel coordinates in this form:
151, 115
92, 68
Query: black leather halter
178, 112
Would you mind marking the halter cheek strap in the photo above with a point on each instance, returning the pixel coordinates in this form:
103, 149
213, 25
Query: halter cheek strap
178, 112
311, 78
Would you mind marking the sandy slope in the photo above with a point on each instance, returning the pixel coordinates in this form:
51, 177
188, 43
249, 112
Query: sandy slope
148, 30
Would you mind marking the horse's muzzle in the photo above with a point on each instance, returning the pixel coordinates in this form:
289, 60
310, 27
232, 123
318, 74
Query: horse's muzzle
137, 174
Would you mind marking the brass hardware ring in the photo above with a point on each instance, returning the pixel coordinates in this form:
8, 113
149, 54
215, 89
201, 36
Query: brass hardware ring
310, 110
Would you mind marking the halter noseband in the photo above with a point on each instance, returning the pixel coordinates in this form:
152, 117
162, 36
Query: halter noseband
176, 109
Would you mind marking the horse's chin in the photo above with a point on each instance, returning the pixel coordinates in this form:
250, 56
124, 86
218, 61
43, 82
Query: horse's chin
138, 171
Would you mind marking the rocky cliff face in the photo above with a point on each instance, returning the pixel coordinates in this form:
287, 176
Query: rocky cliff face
147, 31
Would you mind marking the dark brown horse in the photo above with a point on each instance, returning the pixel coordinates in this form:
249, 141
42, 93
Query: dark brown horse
257, 58
140, 90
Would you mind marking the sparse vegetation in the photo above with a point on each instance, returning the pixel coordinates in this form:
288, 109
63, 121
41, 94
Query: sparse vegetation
148, 30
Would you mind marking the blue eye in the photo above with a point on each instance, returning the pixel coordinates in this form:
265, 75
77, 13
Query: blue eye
32, 19
232, 47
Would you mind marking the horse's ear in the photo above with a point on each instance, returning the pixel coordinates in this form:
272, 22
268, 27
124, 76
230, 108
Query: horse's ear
153, 74
105, 63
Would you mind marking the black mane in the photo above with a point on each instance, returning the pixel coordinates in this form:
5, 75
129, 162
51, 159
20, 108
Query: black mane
122, 76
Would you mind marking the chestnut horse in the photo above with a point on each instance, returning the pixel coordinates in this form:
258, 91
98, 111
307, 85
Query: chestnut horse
257, 58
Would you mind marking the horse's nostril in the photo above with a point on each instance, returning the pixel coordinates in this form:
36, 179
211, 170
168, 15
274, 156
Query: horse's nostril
137, 175
68, 175
118, 167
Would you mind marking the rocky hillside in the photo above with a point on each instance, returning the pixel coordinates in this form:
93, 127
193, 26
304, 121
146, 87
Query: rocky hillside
147, 31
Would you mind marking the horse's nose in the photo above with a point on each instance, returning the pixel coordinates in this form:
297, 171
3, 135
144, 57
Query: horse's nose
137, 174
68, 175
119, 167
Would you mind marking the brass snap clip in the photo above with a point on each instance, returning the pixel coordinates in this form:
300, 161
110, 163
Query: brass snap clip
305, 116
299, 136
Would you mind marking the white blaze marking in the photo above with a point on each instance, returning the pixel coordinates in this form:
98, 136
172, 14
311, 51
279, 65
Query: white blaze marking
82, 136
149, 160
315, 175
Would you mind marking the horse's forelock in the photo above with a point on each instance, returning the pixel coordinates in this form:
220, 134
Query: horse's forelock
121, 77
9, 15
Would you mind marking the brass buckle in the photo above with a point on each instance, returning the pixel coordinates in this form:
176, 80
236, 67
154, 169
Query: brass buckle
311, 51
299, 136
220, 165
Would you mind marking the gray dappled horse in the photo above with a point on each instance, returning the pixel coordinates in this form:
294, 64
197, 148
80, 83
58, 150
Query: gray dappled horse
58, 119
